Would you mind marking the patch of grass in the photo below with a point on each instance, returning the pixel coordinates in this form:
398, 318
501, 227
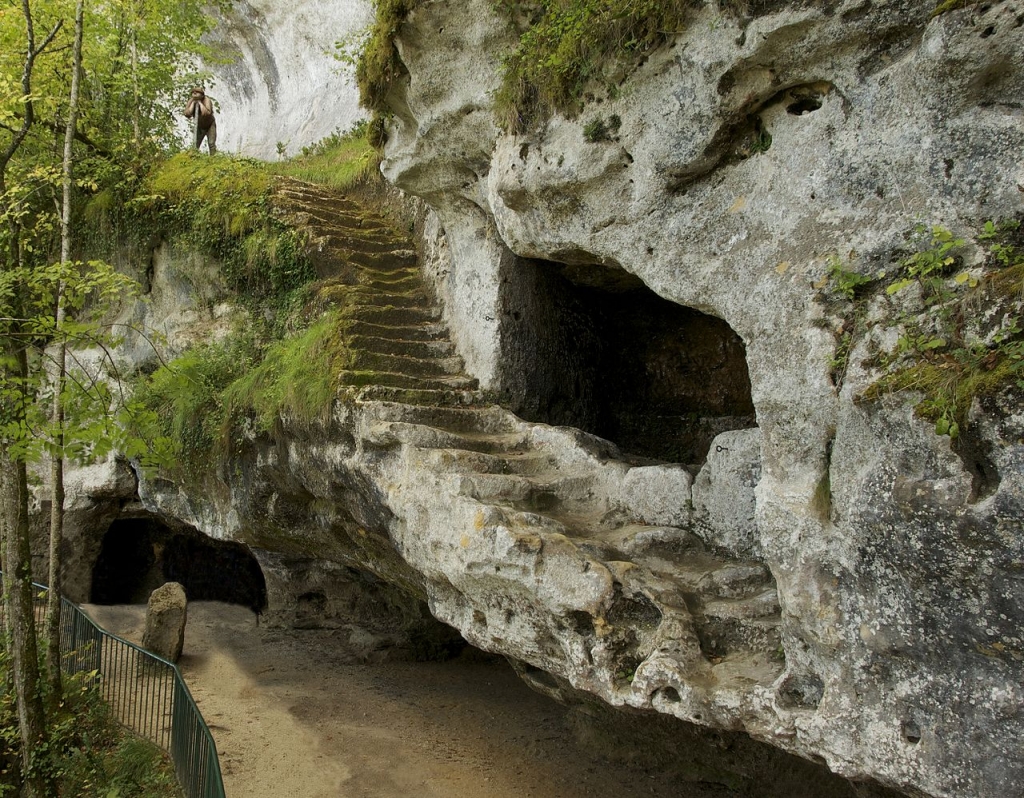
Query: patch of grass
188, 396
378, 65
222, 206
568, 45
297, 376
599, 130
203, 396
952, 5
340, 161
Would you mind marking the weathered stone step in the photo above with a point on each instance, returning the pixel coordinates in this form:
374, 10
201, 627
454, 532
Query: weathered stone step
424, 397
393, 280
396, 260
701, 574
397, 346
396, 380
531, 493
330, 217
731, 625
292, 198
721, 637
400, 364
649, 542
734, 580
326, 212
760, 605
366, 295
491, 419
742, 670
424, 437
427, 331
335, 242
390, 316
464, 461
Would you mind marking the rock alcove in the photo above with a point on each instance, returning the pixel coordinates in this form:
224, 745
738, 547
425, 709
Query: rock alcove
608, 355
140, 554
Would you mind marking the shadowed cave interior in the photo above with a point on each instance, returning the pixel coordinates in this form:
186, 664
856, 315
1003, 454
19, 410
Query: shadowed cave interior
140, 554
604, 353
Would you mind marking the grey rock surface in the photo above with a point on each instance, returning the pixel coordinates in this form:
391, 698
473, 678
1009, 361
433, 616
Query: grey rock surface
166, 616
896, 577
281, 83
826, 574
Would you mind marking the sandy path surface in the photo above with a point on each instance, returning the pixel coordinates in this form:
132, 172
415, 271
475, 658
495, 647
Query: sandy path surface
295, 716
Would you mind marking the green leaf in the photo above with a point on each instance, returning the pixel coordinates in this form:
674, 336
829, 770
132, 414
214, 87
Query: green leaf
897, 286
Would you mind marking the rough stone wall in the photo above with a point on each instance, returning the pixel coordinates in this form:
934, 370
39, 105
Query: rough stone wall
900, 591
896, 560
281, 82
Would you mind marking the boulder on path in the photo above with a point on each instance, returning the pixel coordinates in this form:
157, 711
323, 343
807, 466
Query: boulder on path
166, 615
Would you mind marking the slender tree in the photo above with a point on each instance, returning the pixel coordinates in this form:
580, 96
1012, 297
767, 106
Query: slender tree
18, 597
60, 377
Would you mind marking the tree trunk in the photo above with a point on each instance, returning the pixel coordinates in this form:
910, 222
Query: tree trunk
18, 597
57, 466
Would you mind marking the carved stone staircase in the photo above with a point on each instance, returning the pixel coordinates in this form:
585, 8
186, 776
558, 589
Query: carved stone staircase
494, 459
401, 348
676, 599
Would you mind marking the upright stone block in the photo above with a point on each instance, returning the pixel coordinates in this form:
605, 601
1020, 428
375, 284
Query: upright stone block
166, 616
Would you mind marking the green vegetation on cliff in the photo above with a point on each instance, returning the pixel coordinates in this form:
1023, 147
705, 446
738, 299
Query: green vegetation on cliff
298, 377
285, 358
223, 207
564, 49
567, 48
960, 329
341, 161
378, 64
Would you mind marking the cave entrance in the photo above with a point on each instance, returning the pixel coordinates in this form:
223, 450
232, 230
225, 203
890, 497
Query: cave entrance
140, 554
613, 358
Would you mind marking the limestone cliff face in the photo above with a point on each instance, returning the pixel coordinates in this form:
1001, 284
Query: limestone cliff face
900, 592
281, 82
691, 512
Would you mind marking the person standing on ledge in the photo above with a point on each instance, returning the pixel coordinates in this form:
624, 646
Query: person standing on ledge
201, 107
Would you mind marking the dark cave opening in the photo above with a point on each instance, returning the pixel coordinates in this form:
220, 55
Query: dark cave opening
140, 554
604, 353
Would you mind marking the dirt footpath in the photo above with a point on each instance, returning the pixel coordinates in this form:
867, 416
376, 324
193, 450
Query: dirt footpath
294, 716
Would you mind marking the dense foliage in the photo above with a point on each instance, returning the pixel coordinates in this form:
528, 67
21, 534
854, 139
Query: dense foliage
223, 207
81, 114
90, 753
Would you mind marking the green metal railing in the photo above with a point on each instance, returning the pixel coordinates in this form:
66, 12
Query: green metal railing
146, 693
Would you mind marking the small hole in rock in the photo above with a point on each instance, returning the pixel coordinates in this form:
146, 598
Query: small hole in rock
988, 31
670, 694
911, 732
803, 106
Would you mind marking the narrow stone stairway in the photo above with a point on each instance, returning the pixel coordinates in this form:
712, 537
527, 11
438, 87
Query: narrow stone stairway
563, 484
400, 346
660, 618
